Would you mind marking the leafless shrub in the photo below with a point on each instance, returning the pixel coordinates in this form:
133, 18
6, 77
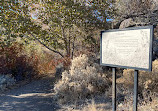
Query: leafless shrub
80, 81
149, 102
147, 80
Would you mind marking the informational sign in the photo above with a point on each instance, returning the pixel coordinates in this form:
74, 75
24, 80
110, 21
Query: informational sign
127, 48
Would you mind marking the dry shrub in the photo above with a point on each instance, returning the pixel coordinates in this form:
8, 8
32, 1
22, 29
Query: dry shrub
128, 77
94, 107
148, 103
147, 80
49, 63
46, 62
14, 61
80, 81
26, 61
85, 51
44, 59
46, 65
65, 61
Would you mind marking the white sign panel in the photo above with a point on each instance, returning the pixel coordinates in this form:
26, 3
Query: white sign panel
127, 48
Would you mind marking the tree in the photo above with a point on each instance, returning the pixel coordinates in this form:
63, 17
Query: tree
58, 25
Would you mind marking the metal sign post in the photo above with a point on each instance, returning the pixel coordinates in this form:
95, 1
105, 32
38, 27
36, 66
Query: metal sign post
127, 48
114, 89
135, 99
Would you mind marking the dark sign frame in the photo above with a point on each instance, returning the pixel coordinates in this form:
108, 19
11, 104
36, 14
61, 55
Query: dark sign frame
150, 47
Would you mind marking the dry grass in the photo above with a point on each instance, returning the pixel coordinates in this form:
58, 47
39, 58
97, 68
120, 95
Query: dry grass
89, 106
148, 89
148, 102
84, 79
96, 107
147, 80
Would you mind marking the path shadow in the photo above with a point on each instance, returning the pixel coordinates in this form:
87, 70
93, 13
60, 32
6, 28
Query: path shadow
35, 96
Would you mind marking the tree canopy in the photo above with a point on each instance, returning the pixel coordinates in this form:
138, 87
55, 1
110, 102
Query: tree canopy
58, 25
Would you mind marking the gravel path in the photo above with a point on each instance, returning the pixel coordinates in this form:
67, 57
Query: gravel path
35, 96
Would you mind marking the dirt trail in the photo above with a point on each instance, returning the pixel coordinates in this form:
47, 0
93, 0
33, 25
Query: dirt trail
35, 96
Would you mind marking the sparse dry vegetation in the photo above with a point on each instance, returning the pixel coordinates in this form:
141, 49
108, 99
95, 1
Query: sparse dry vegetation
148, 102
23, 62
147, 80
77, 81
14, 61
62, 38
81, 81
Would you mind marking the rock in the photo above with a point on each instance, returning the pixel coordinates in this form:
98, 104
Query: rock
155, 49
126, 23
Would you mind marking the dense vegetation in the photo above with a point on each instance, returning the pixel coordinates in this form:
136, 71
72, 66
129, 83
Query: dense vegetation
39, 37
